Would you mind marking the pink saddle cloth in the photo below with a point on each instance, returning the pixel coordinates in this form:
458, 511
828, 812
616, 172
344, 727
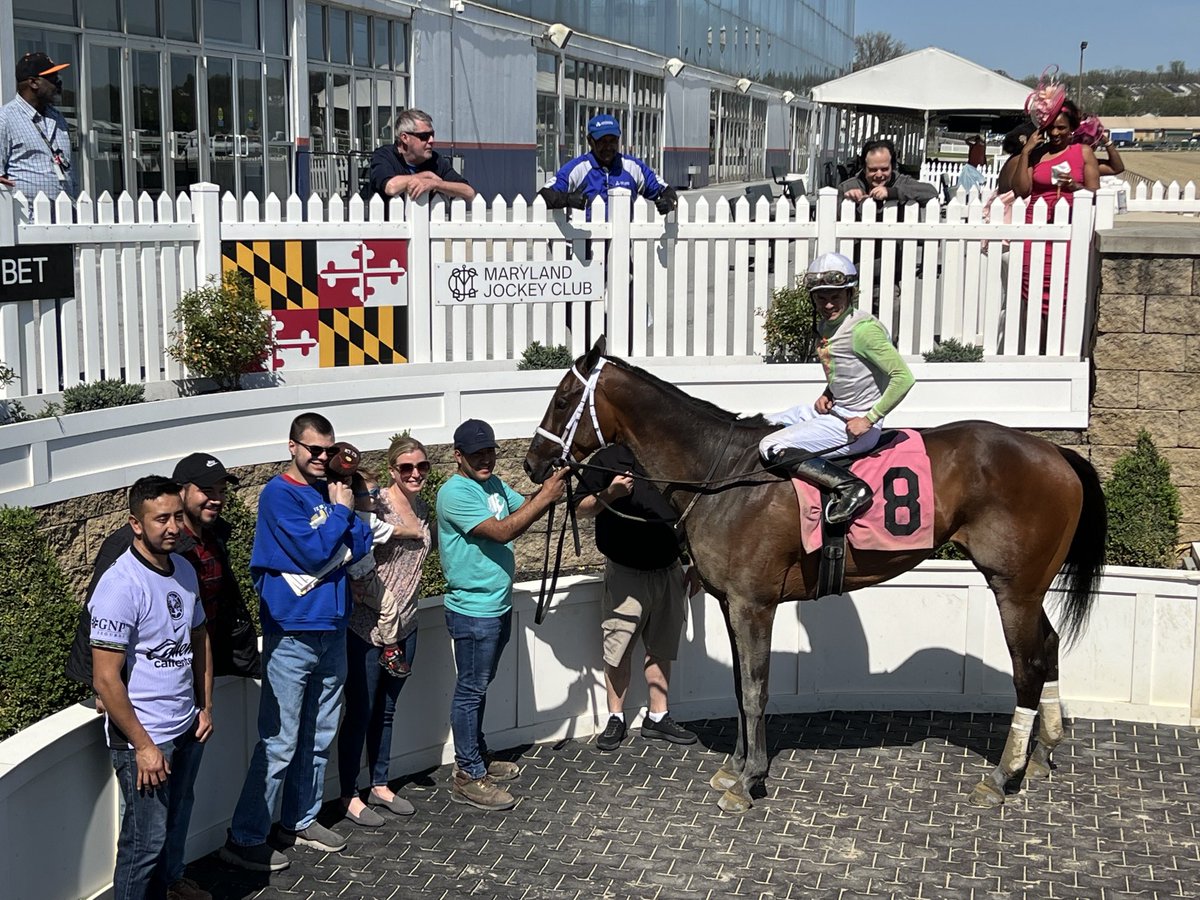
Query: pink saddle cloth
900, 516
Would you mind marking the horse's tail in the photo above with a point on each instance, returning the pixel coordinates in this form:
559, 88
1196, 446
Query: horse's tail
1080, 573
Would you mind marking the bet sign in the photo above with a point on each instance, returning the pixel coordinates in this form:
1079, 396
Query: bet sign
37, 272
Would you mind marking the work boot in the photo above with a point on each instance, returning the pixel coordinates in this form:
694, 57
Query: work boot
481, 793
850, 494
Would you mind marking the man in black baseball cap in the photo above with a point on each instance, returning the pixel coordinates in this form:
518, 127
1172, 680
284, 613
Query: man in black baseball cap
204, 540
35, 147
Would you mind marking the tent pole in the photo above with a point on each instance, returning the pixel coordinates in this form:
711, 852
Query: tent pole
925, 139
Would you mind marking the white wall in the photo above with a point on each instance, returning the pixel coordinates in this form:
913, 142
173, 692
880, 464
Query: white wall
49, 460
929, 639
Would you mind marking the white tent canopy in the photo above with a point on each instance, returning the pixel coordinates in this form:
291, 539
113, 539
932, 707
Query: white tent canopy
929, 81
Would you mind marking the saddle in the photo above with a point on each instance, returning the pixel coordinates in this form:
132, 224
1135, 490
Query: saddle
898, 518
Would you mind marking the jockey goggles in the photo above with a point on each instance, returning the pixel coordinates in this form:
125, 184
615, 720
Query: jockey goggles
832, 279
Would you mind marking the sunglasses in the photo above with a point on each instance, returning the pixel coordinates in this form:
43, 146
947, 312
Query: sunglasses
420, 135
317, 450
373, 493
827, 279
406, 469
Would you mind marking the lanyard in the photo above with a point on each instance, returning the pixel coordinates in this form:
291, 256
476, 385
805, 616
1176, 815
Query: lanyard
60, 164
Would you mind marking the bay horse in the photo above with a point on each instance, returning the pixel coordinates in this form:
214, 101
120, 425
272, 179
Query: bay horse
1021, 508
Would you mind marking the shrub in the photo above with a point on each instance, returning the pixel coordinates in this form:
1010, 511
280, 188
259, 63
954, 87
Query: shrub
1143, 508
102, 394
538, 357
789, 326
38, 615
241, 541
949, 551
223, 332
951, 350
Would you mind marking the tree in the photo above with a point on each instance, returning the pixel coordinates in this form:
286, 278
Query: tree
1178, 70
1118, 101
874, 47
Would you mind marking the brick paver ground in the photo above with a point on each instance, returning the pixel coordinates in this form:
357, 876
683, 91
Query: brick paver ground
858, 805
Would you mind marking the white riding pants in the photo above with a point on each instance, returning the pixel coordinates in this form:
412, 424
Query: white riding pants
806, 429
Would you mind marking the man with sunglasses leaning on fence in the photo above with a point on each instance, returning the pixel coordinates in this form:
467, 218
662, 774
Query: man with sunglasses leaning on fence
866, 378
35, 147
412, 167
305, 519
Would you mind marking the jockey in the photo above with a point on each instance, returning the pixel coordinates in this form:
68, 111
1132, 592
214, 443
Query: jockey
867, 379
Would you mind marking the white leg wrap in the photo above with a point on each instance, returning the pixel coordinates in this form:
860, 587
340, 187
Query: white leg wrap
1016, 748
1050, 727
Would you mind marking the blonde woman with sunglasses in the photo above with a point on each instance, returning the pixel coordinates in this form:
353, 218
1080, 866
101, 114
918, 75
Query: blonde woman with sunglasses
379, 662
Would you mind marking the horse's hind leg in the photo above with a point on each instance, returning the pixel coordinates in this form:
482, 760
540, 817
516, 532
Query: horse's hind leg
750, 632
1021, 619
1050, 721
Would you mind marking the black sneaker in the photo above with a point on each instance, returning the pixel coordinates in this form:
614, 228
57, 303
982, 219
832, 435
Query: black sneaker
256, 858
613, 734
667, 730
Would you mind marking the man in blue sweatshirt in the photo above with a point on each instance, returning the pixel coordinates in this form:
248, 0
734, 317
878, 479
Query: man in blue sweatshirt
304, 521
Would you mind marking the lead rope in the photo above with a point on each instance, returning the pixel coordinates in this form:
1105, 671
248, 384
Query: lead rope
546, 592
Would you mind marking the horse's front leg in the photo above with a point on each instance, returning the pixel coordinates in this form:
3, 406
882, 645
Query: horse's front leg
750, 633
1050, 720
731, 770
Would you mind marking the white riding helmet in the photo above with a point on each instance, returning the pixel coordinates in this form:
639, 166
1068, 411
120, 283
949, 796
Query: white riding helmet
830, 271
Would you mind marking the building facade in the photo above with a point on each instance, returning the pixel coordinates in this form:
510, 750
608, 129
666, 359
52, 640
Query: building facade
275, 96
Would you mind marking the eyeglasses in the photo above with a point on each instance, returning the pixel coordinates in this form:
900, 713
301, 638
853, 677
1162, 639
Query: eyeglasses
405, 470
420, 135
373, 493
316, 450
828, 279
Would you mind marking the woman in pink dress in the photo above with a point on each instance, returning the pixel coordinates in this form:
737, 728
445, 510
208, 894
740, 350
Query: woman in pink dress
1051, 168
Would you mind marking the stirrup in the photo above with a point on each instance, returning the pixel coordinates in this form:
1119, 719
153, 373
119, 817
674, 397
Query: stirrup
844, 505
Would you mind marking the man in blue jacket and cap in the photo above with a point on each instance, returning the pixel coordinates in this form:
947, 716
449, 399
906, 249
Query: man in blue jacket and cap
604, 167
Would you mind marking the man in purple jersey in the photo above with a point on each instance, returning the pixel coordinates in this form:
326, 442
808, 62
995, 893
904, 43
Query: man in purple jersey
152, 667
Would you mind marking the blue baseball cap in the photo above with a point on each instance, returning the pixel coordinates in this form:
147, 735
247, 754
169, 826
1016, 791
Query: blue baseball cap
474, 435
599, 126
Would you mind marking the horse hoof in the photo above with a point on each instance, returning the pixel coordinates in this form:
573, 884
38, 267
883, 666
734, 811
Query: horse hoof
734, 802
1037, 769
986, 794
723, 780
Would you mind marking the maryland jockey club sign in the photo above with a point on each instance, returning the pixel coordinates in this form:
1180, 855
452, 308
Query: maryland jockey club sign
557, 281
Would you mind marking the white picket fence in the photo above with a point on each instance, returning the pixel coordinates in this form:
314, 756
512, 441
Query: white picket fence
941, 172
690, 284
1159, 197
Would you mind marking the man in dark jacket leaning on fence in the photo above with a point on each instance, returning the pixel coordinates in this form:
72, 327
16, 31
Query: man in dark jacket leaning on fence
204, 541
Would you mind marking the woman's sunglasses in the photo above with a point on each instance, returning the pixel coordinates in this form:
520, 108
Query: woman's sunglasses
405, 470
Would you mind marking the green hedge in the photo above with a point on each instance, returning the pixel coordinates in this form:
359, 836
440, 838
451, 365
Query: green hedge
38, 614
1143, 509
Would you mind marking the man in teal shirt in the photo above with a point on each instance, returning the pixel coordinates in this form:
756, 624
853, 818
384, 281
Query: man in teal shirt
479, 516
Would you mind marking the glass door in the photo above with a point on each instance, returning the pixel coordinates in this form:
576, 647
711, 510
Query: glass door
183, 140
221, 139
146, 136
105, 120
236, 145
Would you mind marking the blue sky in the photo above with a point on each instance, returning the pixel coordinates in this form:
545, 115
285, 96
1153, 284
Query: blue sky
1023, 36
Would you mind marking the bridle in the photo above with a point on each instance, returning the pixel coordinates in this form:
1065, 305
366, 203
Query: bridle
565, 441
587, 403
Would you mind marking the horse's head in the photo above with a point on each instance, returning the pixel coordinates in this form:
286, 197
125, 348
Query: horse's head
572, 426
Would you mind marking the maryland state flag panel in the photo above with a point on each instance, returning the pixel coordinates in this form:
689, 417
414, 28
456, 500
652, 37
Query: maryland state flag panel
335, 303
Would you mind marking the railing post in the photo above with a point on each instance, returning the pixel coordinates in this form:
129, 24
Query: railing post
420, 280
620, 251
1079, 254
827, 220
1106, 207
206, 213
10, 324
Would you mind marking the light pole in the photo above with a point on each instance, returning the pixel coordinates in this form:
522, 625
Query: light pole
1079, 98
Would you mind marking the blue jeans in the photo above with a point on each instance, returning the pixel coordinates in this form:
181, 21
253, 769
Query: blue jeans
371, 695
154, 821
303, 675
478, 643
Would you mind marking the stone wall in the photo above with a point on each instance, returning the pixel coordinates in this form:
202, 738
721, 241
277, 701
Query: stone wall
76, 528
1146, 360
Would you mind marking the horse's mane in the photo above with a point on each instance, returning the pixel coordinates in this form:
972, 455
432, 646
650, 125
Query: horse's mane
693, 403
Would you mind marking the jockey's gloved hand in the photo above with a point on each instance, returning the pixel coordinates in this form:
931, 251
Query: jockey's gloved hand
554, 199
576, 200
666, 201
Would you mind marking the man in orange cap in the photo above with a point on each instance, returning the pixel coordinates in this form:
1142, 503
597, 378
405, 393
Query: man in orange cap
35, 148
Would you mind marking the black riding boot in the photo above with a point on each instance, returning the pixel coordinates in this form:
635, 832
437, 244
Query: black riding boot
850, 493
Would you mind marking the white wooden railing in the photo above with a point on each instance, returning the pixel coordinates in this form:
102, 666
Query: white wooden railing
1159, 197
689, 284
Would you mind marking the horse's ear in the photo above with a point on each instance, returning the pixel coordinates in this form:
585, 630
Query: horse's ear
593, 356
